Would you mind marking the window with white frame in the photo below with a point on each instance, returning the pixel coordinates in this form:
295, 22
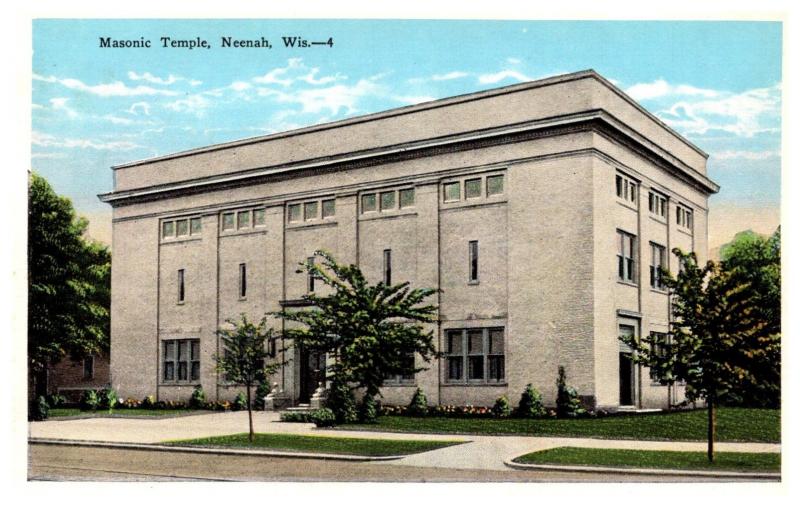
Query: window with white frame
658, 264
180, 361
626, 259
627, 189
657, 204
684, 217
475, 355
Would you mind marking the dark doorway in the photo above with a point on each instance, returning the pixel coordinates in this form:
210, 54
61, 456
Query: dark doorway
626, 379
312, 373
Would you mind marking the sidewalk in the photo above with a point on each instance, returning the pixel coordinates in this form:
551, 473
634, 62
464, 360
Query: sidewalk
483, 452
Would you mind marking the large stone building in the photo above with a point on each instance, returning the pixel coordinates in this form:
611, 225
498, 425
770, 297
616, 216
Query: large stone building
542, 211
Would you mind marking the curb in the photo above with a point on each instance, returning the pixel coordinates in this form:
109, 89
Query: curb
643, 471
213, 451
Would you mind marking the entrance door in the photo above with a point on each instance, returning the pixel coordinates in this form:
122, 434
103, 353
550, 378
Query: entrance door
626, 379
312, 373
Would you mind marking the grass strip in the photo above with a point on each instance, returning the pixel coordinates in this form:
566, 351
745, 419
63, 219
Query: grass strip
69, 411
723, 461
319, 444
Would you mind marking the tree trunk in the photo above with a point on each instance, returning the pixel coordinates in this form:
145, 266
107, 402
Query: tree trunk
712, 426
250, 414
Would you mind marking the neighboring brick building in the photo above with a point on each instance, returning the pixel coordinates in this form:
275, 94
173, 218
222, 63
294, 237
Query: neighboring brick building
537, 208
71, 377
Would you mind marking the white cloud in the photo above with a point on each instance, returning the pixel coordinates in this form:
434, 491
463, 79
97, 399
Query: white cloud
493, 78
660, 88
413, 100
35, 106
453, 75
240, 86
105, 90
48, 156
192, 104
60, 104
733, 154
47, 140
195, 83
332, 99
148, 77
296, 71
139, 105
117, 120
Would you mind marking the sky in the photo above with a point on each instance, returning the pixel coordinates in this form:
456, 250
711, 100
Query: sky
716, 83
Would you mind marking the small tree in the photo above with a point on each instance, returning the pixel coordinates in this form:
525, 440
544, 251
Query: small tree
244, 357
717, 337
369, 330
568, 405
530, 403
419, 404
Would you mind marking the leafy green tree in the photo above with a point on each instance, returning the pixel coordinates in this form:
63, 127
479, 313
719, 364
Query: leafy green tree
368, 330
717, 337
244, 359
69, 282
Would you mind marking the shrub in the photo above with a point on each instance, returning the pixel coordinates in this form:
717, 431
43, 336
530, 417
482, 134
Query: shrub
568, 405
240, 402
56, 400
323, 417
341, 401
38, 409
501, 408
259, 402
368, 412
296, 417
419, 404
106, 399
148, 402
198, 399
530, 404
89, 400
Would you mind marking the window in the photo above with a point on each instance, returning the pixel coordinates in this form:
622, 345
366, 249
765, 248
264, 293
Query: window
406, 197
228, 221
626, 261
242, 280
472, 188
683, 216
657, 204
243, 220
387, 200
295, 212
658, 262
328, 208
310, 210
484, 356
168, 229
196, 225
627, 189
659, 346
311, 278
452, 191
406, 377
181, 286
88, 368
473, 261
260, 217
368, 203
494, 185
182, 227
387, 267
181, 361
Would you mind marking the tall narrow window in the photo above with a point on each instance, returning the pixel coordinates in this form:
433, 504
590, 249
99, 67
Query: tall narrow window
88, 368
475, 354
169, 360
387, 267
627, 189
242, 280
658, 261
626, 262
310, 283
496, 357
181, 286
659, 347
455, 354
194, 356
473, 261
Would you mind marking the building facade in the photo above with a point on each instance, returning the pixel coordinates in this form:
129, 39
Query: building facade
542, 211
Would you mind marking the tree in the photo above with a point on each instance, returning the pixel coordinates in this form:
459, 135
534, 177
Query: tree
244, 357
369, 330
68, 283
717, 336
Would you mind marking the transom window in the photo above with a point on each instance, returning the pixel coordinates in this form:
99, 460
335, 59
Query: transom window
387, 200
626, 260
475, 355
452, 191
311, 210
658, 264
683, 216
244, 219
657, 204
181, 361
627, 189
474, 187
179, 228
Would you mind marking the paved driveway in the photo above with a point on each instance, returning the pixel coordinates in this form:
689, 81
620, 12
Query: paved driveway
482, 452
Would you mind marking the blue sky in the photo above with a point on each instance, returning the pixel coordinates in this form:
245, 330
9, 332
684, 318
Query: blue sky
718, 83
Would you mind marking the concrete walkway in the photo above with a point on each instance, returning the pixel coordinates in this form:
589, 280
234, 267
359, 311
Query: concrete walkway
482, 452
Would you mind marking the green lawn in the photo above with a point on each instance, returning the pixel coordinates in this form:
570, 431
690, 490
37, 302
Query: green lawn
319, 444
70, 411
570, 456
733, 424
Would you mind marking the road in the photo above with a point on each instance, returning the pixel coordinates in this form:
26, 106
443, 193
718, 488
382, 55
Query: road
113, 464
